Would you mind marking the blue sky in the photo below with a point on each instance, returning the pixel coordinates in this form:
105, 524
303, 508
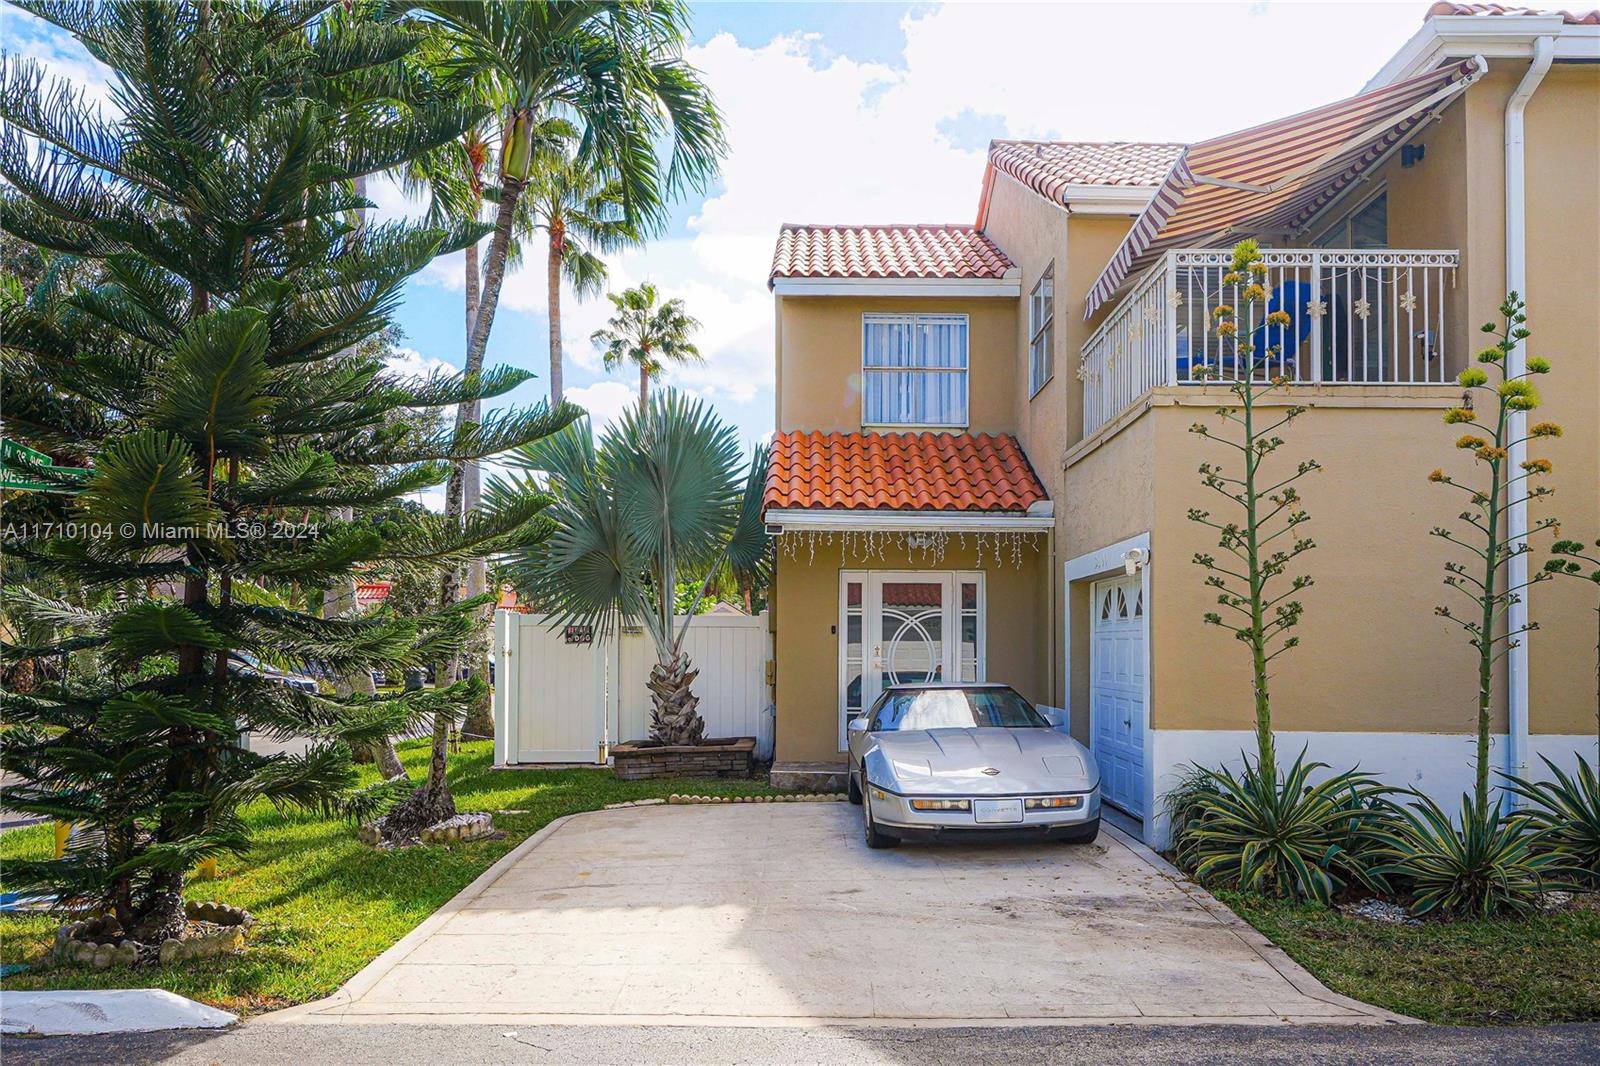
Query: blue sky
880, 112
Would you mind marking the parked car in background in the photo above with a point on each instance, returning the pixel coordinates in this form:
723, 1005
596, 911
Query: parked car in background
246, 665
935, 760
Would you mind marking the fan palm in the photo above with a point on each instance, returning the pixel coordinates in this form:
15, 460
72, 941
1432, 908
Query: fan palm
662, 494
647, 334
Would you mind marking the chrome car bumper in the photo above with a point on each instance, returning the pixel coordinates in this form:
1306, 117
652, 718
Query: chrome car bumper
893, 812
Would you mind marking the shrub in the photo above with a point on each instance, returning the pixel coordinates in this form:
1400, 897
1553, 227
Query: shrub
1276, 837
1566, 817
1486, 868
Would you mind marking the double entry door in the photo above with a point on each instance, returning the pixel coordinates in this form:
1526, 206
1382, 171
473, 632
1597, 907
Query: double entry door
904, 628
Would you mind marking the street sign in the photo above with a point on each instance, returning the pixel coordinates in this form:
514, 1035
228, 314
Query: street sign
19, 465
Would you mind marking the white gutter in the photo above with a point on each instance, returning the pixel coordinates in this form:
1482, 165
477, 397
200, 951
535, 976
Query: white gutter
1517, 424
1038, 519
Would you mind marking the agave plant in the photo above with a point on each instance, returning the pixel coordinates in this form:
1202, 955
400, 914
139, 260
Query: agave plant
1285, 837
1565, 815
662, 495
1487, 867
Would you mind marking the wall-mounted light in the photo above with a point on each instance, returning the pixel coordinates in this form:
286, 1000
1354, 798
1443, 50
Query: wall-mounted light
1133, 560
1411, 154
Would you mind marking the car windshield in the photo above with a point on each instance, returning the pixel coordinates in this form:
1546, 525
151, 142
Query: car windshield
956, 708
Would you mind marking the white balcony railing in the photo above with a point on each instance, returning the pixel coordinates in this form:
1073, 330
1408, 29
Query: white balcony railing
1359, 317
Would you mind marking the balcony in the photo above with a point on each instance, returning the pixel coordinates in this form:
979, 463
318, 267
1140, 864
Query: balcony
1360, 317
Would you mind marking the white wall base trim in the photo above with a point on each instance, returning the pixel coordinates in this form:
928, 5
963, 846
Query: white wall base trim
1438, 765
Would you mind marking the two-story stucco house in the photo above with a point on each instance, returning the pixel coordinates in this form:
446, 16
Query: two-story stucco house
982, 467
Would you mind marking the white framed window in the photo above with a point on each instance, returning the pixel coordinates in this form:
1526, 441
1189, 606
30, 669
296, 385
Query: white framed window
1042, 332
914, 370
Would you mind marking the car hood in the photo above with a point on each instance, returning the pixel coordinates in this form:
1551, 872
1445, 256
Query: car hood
953, 761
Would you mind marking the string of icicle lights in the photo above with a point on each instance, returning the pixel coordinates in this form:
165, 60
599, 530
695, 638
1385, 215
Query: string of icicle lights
929, 547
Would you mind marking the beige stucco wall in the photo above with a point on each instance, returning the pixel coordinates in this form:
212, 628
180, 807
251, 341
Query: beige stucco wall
819, 358
806, 612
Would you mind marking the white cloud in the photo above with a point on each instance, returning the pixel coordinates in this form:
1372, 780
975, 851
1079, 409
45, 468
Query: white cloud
604, 400
408, 362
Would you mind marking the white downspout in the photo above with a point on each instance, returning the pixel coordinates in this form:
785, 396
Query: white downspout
1517, 363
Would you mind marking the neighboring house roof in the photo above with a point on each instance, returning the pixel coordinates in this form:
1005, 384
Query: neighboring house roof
371, 593
1049, 168
900, 472
1587, 18
900, 251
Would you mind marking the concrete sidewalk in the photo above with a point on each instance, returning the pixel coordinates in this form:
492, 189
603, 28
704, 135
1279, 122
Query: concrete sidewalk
777, 914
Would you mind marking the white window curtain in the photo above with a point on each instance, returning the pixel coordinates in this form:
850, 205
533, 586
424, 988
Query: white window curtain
915, 368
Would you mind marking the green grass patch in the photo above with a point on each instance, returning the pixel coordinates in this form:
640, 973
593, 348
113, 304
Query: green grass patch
1530, 971
325, 904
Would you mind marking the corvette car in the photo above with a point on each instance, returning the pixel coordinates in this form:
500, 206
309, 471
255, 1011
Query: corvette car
952, 760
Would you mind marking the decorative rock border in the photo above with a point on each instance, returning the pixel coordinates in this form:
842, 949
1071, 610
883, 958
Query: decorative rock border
787, 797
77, 943
460, 828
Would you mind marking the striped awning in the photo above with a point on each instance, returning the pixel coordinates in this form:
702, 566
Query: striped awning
1277, 176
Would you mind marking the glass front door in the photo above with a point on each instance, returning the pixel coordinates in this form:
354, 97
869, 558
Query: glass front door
906, 628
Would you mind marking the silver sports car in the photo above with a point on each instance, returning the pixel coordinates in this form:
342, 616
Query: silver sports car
930, 760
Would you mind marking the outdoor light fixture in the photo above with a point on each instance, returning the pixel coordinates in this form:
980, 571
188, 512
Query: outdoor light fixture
1133, 560
1411, 155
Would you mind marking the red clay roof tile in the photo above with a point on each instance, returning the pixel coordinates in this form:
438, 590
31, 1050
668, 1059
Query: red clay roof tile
944, 251
1049, 167
1586, 18
900, 472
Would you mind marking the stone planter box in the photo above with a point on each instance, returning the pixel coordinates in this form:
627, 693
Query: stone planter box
214, 929
638, 760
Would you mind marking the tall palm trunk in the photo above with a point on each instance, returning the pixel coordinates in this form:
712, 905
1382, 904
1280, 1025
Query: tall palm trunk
433, 801
644, 385
480, 716
553, 296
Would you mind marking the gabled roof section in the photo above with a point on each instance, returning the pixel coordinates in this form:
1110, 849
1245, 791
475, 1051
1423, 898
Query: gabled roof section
978, 472
1069, 173
1050, 167
898, 251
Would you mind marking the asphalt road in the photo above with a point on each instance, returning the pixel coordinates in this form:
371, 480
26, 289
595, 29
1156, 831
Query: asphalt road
440, 1045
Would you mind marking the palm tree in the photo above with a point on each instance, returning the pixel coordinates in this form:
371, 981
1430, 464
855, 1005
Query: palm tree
647, 335
618, 70
661, 495
579, 211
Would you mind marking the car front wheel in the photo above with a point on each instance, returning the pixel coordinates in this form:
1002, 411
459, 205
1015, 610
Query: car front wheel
1084, 835
875, 838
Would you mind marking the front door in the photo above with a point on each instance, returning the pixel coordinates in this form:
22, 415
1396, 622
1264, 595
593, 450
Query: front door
1116, 689
906, 628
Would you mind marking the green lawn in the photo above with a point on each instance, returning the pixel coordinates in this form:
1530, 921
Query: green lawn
1515, 972
327, 905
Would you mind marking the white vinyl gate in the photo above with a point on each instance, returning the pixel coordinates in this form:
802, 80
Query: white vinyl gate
556, 701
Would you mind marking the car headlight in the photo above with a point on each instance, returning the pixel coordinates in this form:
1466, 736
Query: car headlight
941, 805
1053, 803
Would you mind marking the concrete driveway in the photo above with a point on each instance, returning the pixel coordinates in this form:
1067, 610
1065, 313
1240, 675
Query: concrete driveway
766, 914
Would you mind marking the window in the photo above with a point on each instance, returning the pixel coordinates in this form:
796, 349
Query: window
1365, 227
915, 370
1042, 331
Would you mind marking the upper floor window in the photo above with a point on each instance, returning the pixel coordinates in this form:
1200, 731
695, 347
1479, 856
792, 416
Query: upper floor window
1365, 227
1042, 331
915, 370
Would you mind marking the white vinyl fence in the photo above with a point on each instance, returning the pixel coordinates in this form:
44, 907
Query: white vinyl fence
558, 698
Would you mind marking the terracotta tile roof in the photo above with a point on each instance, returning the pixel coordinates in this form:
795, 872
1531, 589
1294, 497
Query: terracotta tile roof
900, 472
1048, 167
941, 251
1587, 18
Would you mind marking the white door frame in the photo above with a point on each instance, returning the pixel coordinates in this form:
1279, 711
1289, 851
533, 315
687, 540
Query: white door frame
872, 582
1106, 562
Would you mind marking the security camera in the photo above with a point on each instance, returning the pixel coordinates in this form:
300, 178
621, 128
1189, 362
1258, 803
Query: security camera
1133, 560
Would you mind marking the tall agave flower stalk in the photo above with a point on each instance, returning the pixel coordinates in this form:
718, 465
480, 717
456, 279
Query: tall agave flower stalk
1267, 505
1483, 535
